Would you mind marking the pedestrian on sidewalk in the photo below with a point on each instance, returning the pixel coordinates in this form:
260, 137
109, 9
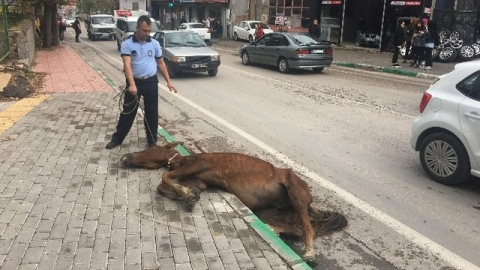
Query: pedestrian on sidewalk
78, 29
141, 57
418, 43
398, 42
430, 35
258, 31
62, 27
314, 30
409, 30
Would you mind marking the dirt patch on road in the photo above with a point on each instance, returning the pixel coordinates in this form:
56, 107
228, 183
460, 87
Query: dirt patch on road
23, 83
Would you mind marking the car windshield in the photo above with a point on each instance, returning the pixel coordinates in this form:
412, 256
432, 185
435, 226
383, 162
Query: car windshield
183, 39
132, 26
303, 40
197, 25
102, 20
264, 26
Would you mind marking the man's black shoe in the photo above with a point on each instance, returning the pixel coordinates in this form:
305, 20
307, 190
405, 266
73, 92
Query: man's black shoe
112, 144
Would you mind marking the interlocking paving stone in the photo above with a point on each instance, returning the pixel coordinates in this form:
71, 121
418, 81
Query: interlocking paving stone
65, 203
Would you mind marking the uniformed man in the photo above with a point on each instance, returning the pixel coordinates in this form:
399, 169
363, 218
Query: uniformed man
141, 57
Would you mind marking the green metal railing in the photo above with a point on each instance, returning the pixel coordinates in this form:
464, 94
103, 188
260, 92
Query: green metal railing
4, 46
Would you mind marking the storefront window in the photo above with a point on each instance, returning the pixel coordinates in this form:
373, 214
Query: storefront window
297, 3
288, 3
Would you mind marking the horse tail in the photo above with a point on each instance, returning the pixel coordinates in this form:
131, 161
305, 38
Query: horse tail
326, 221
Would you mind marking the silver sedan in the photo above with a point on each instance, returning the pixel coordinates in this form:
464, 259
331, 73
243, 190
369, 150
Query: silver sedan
287, 51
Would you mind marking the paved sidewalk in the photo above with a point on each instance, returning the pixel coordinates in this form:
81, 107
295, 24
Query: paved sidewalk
66, 204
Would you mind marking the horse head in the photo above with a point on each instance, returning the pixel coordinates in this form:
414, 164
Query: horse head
151, 158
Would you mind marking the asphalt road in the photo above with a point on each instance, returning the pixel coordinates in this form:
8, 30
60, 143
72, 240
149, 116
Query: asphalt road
347, 133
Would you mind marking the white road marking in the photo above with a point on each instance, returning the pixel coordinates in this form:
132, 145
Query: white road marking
412, 235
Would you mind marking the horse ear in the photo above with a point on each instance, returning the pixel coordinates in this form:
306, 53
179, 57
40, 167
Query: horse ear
173, 144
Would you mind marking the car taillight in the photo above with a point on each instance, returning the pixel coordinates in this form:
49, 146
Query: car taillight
425, 99
330, 51
302, 51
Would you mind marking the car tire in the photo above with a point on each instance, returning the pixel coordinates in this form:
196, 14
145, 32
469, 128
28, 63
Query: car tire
245, 58
318, 69
476, 47
447, 54
235, 36
212, 72
445, 159
283, 66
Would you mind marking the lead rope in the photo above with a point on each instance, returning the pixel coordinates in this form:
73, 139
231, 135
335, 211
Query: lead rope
136, 101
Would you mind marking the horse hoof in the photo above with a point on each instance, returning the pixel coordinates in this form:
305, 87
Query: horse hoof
191, 201
126, 160
310, 260
312, 264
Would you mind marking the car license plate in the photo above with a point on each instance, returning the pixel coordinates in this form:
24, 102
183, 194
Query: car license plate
199, 65
104, 35
318, 51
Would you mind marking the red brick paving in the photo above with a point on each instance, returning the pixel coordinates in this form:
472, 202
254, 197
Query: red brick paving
67, 72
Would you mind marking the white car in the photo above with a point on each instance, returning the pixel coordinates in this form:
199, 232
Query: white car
246, 30
199, 28
447, 130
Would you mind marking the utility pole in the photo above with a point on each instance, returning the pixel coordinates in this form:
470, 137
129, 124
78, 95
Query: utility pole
423, 9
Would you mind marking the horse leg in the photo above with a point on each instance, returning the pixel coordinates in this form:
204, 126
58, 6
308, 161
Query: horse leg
301, 198
185, 192
166, 191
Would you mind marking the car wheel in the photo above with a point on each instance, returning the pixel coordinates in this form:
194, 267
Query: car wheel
250, 39
445, 159
466, 53
245, 58
476, 47
318, 70
213, 72
235, 36
447, 54
444, 36
283, 65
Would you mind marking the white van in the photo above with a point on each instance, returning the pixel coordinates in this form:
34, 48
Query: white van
100, 26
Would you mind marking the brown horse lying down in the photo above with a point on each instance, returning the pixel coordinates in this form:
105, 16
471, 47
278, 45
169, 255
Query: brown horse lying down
277, 196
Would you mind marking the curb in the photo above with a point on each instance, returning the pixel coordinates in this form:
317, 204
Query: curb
277, 244
389, 70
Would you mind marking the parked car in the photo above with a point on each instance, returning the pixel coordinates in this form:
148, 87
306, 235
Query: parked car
199, 28
447, 130
69, 21
288, 50
246, 30
186, 51
126, 27
100, 26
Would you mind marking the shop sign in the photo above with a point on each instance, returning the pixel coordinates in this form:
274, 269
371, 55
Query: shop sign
123, 13
337, 2
406, 3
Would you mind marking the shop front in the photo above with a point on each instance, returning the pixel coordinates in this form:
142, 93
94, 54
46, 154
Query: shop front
172, 14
